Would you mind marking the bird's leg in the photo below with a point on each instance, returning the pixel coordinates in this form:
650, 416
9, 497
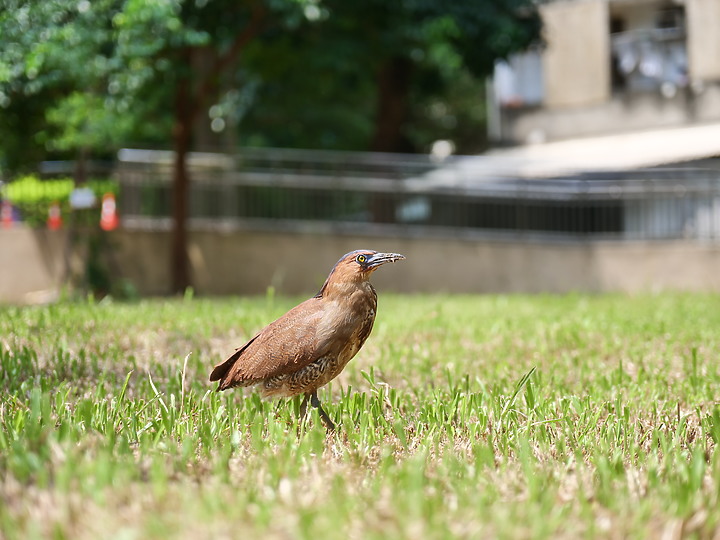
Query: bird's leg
315, 402
303, 406
303, 414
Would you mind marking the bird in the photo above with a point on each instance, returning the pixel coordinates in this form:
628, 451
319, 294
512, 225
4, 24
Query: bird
312, 343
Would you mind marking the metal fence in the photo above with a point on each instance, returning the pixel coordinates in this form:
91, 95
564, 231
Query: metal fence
292, 188
272, 187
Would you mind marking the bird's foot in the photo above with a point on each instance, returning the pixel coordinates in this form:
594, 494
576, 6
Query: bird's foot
329, 424
315, 402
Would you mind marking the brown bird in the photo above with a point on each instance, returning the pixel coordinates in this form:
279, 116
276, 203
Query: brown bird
313, 342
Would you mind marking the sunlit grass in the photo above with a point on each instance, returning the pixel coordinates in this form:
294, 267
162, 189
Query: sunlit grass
461, 417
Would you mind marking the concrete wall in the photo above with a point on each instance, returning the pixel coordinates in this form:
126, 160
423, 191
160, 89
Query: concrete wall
577, 58
703, 25
619, 114
32, 264
248, 262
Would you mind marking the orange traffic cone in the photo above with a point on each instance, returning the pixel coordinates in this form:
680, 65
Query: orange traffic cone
54, 220
108, 214
6, 214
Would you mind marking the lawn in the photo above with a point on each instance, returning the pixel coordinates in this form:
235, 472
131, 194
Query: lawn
462, 417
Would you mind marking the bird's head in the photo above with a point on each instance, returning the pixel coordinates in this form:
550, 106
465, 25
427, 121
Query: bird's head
357, 266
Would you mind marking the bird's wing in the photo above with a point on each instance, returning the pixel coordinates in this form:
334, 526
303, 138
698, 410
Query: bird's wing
222, 368
282, 347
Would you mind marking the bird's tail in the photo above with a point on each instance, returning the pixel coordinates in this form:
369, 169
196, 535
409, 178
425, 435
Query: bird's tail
221, 370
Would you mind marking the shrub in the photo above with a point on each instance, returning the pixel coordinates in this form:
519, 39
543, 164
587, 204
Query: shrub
33, 196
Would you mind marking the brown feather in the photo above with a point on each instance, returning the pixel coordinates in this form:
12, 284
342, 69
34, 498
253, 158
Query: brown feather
221, 369
311, 344
281, 347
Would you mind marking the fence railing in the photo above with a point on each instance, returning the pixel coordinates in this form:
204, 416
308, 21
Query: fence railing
271, 187
292, 188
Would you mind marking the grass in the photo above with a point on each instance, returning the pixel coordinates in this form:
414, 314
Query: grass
463, 417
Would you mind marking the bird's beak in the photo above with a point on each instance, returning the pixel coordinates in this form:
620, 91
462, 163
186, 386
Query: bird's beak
382, 258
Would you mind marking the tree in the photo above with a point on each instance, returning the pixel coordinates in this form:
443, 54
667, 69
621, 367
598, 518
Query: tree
367, 74
162, 41
425, 36
130, 54
34, 70
188, 47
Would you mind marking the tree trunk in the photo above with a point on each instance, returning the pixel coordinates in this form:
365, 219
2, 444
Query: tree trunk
204, 139
393, 84
81, 166
189, 99
180, 270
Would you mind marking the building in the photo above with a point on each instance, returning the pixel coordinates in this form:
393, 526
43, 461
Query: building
609, 66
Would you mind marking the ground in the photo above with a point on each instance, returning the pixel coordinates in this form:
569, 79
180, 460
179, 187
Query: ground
463, 416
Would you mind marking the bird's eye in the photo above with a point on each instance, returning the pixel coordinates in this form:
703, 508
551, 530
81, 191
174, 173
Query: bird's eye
361, 259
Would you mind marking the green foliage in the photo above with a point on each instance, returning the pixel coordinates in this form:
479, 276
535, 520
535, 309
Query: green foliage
31, 190
321, 89
59, 63
79, 76
463, 416
84, 120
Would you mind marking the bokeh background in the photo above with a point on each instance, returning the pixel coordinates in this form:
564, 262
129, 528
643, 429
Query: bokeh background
152, 146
